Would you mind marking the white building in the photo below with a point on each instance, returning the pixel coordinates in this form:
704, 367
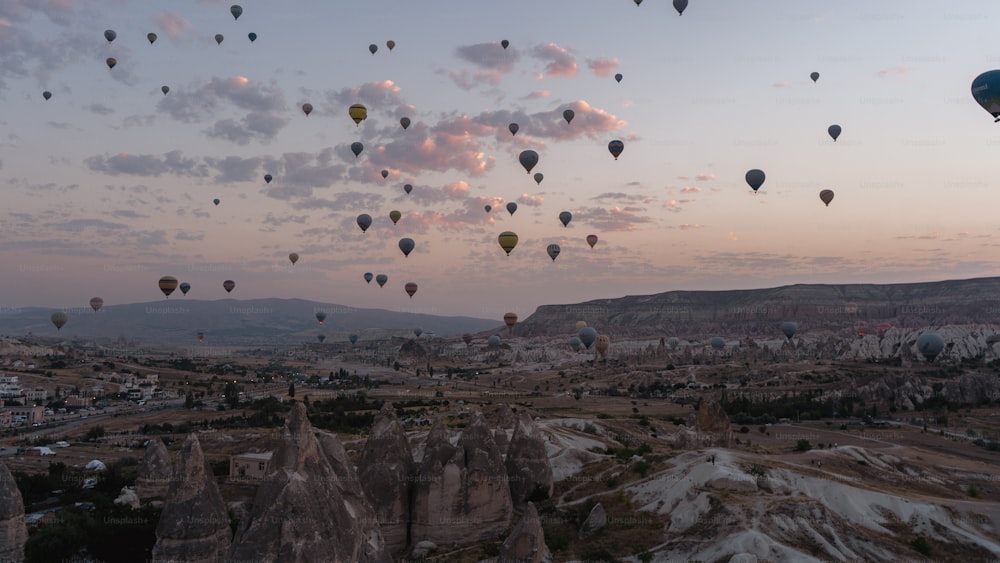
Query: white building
10, 387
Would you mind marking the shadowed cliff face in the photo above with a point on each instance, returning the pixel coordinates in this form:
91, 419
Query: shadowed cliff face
386, 471
13, 533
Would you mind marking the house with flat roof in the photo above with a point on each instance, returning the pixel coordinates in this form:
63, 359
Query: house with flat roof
250, 466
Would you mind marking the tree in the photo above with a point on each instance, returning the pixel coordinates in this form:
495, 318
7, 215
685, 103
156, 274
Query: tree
189, 400
291, 389
803, 446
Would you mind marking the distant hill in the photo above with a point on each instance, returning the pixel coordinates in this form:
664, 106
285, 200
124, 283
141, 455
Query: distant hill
230, 322
816, 308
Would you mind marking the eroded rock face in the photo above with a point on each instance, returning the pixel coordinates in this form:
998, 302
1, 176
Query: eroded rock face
528, 468
386, 471
713, 423
13, 532
461, 494
597, 519
305, 510
526, 542
194, 524
155, 471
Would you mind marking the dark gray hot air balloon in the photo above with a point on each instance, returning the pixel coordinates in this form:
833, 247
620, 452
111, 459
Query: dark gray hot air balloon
553, 251
788, 328
356, 148
511, 207
406, 245
616, 147
364, 221
588, 335
834, 131
565, 217
755, 178
718, 342
930, 344
528, 160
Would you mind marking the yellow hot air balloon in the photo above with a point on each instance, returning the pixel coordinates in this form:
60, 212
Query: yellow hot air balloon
508, 240
358, 113
602, 343
167, 285
395, 216
580, 324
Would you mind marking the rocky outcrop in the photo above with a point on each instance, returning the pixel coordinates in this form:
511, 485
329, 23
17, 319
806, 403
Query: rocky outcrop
526, 542
194, 524
13, 532
127, 497
596, 520
461, 494
528, 468
386, 471
155, 471
303, 508
712, 423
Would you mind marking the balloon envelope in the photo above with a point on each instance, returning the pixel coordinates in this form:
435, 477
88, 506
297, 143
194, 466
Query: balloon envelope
410, 288
390, 44
528, 160
59, 319
320, 316
216, 201
236, 10
553, 251
395, 216
788, 328
511, 207
268, 178
539, 177
356, 148
505, 43
814, 76
718, 342
755, 178
408, 188
834, 131
568, 115
369, 277
372, 48
615, 148
185, 287
588, 335
96, 303
602, 343
513, 127
507, 240
406, 245
46, 94
826, 196
218, 38
930, 344
418, 331
228, 285
293, 258
580, 324
252, 36
164, 89
488, 208
110, 35
358, 113
405, 122
680, 6
381, 279
510, 319
111, 62
565, 217
321, 337
307, 108
364, 221
986, 92
591, 240
167, 285
618, 77
493, 341
385, 173
353, 338
151, 37
575, 343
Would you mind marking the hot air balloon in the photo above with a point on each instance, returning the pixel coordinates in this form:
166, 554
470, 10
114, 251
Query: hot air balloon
395, 216
565, 217
373, 48
528, 159
96, 303
418, 331
200, 336
268, 178
408, 188
307, 108
406, 245
488, 208
358, 113
505, 43
385, 173
568, 115
404, 122
814, 76
718, 342
493, 341
110, 35
467, 338
513, 127
364, 221
575, 343
59, 319
185, 288
986, 92
381, 279
510, 319
588, 335
755, 178
111, 62
591, 240
151, 37
788, 328
356, 148
46, 94
293, 258
538, 177
618, 77
826, 196
580, 324
637, 2
369, 277
252, 36
164, 89
228, 285
167, 285
236, 10
353, 338
615, 148
680, 6
860, 327
390, 44
508, 241
216, 201
511, 207
930, 344
834, 131
410, 288
218, 38
320, 316
602, 343
321, 337
553, 251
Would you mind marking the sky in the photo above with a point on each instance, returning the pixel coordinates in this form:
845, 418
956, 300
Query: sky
109, 184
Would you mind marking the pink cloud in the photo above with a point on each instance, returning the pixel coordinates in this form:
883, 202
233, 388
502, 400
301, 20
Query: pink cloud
537, 94
689, 226
457, 190
690, 190
895, 71
613, 219
530, 200
602, 67
705, 177
559, 61
172, 24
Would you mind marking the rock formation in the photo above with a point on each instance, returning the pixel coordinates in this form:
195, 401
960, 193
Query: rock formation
713, 424
155, 471
526, 542
386, 471
303, 510
596, 520
461, 494
194, 524
128, 498
528, 468
13, 532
